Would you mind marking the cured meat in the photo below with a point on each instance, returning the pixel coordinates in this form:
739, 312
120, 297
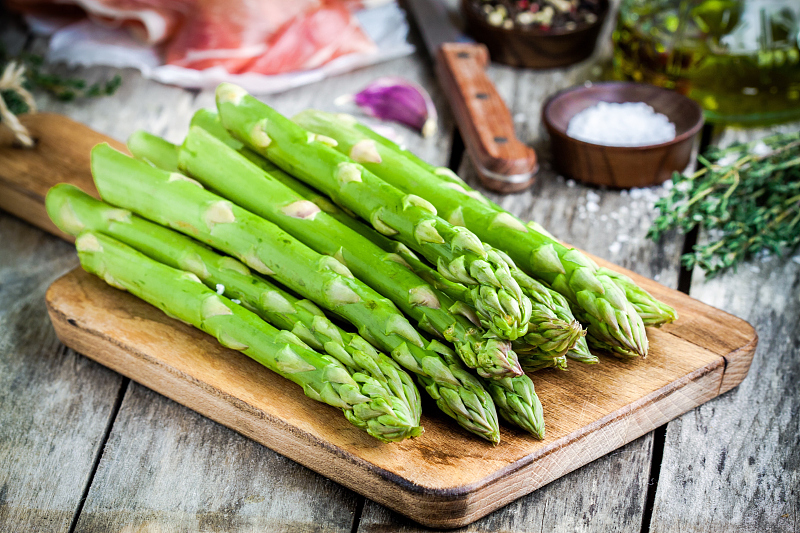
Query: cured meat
311, 41
153, 21
263, 36
231, 34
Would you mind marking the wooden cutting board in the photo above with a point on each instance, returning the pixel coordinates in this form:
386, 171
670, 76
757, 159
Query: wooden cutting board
446, 477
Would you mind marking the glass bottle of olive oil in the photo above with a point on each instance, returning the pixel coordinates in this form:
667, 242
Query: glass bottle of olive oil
740, 59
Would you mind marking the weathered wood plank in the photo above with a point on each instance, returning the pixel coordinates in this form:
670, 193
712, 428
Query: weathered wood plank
733, 463
609, 224
588, 499
55, 405
183, 472
444, 477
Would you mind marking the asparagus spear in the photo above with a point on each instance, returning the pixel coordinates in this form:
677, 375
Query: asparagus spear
580, 352
552, 329
597, 299
201, 154
154, 150
75, 211
515, 397
222, 169
177, 201
457, 252
653, 312
533, 363
182, 295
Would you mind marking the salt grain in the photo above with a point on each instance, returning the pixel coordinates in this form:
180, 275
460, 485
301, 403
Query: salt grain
626, 124
760, 149
727, 159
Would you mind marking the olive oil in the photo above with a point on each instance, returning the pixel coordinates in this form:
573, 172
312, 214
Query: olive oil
740, 59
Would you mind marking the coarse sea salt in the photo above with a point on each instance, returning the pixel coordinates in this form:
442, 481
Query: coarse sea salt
626, 124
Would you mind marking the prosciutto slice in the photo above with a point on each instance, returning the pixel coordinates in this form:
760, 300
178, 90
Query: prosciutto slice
152, 21
262, 36
231, 33
312, 40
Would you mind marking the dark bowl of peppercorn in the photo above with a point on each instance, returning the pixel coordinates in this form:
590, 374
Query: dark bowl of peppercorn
536, 33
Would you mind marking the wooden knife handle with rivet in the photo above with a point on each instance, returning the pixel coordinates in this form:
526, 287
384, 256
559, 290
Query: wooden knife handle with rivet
504, 163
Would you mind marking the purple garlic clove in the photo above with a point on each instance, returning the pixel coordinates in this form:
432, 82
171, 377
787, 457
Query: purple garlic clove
399, 100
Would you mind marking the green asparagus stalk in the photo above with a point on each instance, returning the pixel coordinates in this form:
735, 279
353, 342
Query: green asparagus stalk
457, 252
209, 121
182, 295
179, 202
552, 329
580, 352
533, 363
75, 211
154, 150
652, 311
598, 300
222, 169
515, 397
519, 403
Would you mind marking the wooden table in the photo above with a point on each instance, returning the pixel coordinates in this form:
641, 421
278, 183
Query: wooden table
85, 449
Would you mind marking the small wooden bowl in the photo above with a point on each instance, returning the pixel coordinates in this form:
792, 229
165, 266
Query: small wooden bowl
621, 166
531, 47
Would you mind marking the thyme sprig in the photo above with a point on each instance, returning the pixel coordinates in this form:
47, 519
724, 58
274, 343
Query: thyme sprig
20, 75
747, 198
63, 88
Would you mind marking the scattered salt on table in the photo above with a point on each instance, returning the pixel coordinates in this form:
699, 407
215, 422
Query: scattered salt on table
626, 124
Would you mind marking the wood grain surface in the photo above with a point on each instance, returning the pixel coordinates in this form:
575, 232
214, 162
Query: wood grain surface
446, 478
733, 464
226, 482
55, 405
27, 174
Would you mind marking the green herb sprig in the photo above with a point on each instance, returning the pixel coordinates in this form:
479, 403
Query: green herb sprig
64, 88
746, 196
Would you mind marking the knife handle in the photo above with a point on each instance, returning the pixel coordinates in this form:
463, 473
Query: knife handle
504, 163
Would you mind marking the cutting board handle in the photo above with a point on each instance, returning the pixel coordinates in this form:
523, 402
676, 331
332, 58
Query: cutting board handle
504, 163
61, 155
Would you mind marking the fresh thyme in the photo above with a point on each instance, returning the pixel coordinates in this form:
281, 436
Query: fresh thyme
18, 76
63, 88
746, 197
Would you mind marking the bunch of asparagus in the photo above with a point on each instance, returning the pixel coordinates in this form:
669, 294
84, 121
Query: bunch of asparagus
428, 276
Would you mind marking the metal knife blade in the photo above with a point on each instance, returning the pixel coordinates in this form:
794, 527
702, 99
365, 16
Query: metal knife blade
437, 24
